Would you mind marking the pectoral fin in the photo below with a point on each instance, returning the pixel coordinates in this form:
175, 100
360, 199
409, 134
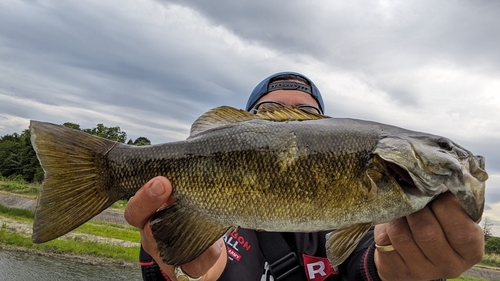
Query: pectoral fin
342, 242
371, 186
183, 235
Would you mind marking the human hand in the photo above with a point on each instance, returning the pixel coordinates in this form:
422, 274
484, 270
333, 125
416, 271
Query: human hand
439, 241
151, 197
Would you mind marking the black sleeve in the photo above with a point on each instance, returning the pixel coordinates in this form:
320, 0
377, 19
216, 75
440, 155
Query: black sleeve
150, 269
360, 264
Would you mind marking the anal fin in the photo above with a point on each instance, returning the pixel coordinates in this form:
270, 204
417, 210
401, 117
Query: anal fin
342, 242
182, 234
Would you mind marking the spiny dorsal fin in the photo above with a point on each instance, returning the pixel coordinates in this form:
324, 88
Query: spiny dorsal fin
276, 112
219, 116
288, 114
225, 115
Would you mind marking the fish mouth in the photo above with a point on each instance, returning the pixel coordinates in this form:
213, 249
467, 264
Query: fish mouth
402, 178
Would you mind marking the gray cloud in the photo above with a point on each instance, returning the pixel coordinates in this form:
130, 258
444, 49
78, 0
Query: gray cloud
365, 32
154, 68
76, 56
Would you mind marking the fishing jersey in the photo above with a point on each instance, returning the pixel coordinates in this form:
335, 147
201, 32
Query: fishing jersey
245, 258
246, 262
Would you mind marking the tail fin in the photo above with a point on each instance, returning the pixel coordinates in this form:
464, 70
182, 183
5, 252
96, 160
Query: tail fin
76, 185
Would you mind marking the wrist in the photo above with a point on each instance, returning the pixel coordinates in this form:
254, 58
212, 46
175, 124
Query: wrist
368, 268
182, 276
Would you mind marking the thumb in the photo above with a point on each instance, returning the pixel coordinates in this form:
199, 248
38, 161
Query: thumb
147, 200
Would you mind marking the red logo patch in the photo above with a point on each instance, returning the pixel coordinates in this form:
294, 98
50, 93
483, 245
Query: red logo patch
232, 253
317, 268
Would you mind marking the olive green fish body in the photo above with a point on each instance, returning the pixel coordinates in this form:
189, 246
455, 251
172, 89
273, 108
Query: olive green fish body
267, 175
277, 171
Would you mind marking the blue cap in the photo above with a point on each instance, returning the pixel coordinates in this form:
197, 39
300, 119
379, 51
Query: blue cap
263, 88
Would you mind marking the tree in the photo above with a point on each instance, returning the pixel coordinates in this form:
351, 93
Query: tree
111, 133
487, 225
140, 141
9, 149
27, 157
72, 125
492, 246
18, 158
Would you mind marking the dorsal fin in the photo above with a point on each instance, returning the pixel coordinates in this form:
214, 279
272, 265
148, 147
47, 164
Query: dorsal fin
280, 113
225, 115
219, 116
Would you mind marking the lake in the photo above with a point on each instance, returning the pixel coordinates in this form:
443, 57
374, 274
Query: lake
20, 266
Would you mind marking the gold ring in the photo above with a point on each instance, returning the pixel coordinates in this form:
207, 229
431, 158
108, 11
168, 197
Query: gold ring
385, 248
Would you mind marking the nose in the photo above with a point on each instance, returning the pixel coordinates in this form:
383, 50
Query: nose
480, 161
477, 168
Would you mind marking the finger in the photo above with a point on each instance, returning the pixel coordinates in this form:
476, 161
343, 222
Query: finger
465, 236
380, 235
437, 256
387, 262
401, 238
147, 201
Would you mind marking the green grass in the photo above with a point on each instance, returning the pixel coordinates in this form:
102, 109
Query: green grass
19, 187
76, 247
462, 278
109, 230
120, 205
18, 214
491, 260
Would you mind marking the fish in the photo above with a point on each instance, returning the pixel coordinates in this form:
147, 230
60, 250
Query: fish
282, 170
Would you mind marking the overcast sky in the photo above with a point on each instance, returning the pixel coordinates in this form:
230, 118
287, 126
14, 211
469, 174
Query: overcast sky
152, 67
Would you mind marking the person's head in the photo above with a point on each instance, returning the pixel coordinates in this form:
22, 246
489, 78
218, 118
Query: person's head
287, 88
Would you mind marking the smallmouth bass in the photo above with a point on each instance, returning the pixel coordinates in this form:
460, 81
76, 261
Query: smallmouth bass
284, 170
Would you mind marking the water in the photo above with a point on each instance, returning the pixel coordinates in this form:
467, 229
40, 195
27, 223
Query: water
19, 266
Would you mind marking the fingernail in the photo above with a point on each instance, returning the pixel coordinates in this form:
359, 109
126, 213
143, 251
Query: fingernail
156, 188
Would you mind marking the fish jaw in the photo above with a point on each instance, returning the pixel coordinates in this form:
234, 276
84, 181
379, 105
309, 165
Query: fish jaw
426, 165
470, 191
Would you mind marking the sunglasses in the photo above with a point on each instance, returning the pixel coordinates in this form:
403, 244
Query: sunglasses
274, 105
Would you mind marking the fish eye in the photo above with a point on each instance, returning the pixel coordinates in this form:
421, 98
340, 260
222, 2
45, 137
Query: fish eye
445, 144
